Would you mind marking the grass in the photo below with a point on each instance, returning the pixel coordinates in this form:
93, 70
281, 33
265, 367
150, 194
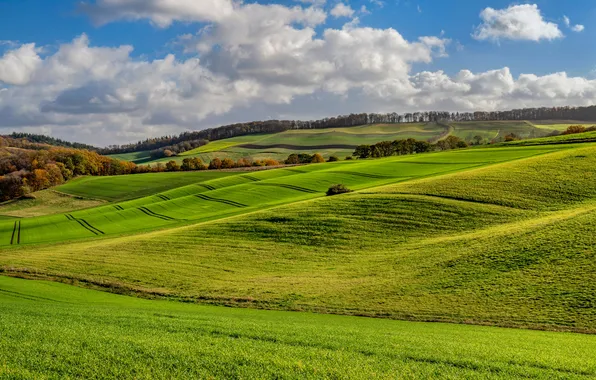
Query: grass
342, 141
499, 244
119, 188
561, 139
207, 199
111, 336
46, 202
490, 130
136, 157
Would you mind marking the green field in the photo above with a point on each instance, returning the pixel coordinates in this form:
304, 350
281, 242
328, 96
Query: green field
124, 187
341, 142
499, 236
46, 202
111, 336
227, 194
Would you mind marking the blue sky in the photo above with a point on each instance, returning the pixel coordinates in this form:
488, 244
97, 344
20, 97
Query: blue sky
230, 87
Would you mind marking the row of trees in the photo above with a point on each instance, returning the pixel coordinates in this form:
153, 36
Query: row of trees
195, 163
304, 158
406, 146
275, 126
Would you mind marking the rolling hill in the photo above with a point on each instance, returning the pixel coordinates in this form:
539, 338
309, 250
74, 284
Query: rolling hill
341, 142
499, 236
115, 337
427, 237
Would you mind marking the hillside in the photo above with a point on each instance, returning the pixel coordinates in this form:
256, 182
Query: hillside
460, 244
341, 142
111, 336
212, 195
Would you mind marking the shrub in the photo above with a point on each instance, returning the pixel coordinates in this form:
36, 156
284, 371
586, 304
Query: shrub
349, 158
333, 159
572, 129
338, 189
215, 164
317, 158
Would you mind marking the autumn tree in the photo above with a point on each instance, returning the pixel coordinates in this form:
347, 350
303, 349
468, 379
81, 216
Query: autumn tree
317, 158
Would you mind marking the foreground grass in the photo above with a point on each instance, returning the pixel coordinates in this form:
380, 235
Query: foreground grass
46, 202
111, 336
503, 244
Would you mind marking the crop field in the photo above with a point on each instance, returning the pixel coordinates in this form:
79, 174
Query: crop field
341, 142
112, 336
561, 139
233, 193
500, 236
438, 238
124, 187
46, 202
561, 125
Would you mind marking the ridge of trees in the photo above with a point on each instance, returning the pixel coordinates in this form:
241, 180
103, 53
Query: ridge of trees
276, 126
27, 141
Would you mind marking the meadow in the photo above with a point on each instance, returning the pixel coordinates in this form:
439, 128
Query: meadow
209, 195
114, 337
469, 236
341, 142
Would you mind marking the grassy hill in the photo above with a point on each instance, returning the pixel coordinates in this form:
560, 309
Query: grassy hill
476, 236
111, 336
212, 195
497, 236
342, 141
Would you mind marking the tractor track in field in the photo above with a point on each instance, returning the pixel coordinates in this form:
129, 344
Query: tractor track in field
86, 225
290, 187
148, 212
224, 201
16, 231
208, 187
119, 208
250, 178
162, 197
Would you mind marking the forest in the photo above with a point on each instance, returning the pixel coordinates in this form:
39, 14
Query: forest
26, 166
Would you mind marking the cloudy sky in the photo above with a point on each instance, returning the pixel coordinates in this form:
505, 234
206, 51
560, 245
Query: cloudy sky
114, 71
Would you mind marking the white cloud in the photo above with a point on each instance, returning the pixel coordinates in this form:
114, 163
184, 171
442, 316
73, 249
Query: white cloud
256, 62
342, 10
17, 66
517, 22
576, 28
161, 12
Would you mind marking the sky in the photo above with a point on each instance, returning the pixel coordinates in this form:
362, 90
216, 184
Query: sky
109, 72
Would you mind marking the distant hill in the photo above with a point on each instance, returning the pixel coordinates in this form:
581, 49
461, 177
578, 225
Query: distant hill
20, 138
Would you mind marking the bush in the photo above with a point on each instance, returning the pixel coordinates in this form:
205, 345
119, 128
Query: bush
338, 189
317, 158
333, 159
572, 129
349, 158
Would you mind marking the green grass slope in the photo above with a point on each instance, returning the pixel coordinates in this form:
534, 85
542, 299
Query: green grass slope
115, 337
46, 202
341, 142
205, 199
119, 188
509, 244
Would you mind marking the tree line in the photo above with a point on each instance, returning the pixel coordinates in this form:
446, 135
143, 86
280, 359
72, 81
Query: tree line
406, 146
276, 126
